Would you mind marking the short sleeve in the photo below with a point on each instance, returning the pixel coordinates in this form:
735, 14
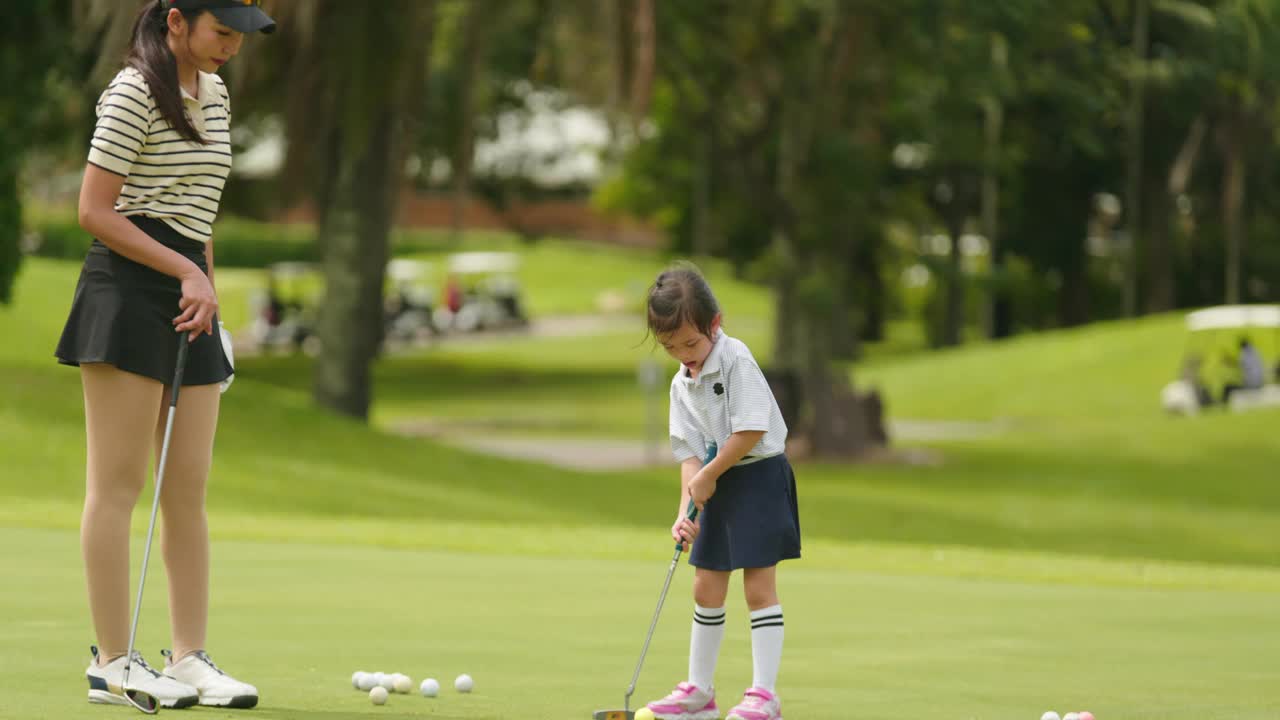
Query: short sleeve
686, 440
226, 97
750, 399
124, 119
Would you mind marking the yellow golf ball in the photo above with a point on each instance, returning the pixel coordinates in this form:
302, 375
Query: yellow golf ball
644, 714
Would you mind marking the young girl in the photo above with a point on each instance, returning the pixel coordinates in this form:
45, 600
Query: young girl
746, 495
158, 160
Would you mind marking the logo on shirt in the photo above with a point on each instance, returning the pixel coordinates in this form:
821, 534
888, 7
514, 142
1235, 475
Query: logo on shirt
718, 388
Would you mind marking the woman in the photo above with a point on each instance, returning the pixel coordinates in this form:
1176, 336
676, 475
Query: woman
158, 160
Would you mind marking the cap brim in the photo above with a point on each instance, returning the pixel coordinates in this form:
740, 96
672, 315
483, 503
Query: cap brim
248, 19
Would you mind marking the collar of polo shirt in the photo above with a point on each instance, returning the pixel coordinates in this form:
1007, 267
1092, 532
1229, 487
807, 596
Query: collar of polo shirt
711, 364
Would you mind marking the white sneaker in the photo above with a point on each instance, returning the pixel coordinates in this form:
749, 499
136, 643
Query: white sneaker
215, 687
106, 683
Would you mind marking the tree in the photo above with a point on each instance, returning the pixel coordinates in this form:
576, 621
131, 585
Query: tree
355, 71
33, 48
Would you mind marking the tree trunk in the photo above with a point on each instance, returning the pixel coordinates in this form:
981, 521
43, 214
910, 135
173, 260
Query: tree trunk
645, 58
1159, 265
363, 174
953, 327
357, 228
867, 272
10, 226
1233, 188
701, 226
843, 329
997, 321
1136, 132
473, 51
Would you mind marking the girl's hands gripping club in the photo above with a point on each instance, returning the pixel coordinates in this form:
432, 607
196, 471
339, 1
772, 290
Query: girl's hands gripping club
686, 528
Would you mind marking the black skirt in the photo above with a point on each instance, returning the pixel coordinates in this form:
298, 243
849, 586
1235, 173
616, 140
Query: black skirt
122, 314
752, 520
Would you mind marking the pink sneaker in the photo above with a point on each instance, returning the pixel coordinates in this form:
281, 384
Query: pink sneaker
757, 704
686, 702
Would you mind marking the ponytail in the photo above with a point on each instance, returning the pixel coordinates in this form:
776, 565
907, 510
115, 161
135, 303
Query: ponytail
150, 55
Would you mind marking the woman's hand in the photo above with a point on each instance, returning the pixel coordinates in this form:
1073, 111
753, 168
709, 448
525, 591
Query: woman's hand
199, 305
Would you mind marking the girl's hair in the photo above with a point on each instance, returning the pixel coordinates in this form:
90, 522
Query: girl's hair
681, 295
150, 55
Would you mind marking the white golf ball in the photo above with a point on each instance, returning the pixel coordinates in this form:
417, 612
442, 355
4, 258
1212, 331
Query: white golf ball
1051, 715
388, 682
1071, 716
378, 695
366, 681
355, 679
430, 687
402, 683
464, 683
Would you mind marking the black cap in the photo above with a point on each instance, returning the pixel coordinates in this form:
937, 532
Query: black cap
241, 15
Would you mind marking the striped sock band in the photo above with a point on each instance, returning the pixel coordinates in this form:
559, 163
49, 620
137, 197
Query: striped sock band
771, 617
703, 616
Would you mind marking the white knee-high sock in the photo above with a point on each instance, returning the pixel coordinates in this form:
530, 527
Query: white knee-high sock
766, 646
704, 645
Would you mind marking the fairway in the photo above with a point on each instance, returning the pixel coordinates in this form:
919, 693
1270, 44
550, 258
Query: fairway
1093, 555
556, 637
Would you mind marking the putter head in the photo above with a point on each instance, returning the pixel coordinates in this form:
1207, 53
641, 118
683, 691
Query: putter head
613, 715
146, 702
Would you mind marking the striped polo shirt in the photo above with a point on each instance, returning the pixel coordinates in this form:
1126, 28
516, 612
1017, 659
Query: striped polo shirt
166, 177
729, 395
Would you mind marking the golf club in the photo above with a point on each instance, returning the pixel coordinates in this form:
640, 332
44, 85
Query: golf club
147, 702
626, 713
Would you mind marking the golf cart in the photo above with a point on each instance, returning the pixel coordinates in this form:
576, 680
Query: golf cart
286, 312
409, 301
482, 293
1215, 366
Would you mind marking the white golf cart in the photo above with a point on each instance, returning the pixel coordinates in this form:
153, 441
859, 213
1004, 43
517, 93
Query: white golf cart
1211, 368
482, 293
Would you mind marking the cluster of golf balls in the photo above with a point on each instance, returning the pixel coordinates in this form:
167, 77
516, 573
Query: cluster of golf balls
1081, 715
380, 685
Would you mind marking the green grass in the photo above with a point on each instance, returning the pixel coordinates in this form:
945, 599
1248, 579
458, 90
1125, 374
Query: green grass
1095, 554
556, 637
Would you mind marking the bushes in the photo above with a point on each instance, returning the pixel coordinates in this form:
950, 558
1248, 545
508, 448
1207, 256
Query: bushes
54, 232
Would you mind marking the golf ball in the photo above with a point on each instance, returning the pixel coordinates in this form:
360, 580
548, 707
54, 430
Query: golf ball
366, 681
464, 683
1071, 716
644, 713
430, 687
1051, 715
1086, 715
355, 679
387, 681
401, 683
378, 695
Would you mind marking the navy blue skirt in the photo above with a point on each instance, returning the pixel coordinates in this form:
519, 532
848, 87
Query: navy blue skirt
122, 314
752, 520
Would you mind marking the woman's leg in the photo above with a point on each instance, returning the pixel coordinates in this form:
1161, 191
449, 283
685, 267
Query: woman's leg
119, 410
185, 530
761, 588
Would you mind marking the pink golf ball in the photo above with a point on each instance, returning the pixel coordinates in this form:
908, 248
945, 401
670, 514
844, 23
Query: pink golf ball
1086, 715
